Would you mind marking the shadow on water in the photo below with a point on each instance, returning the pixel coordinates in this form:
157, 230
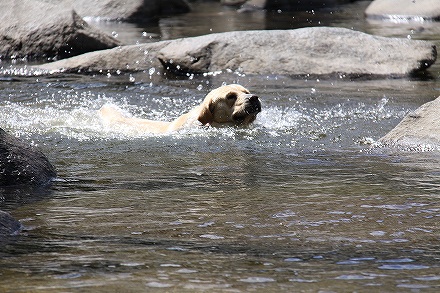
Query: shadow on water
13, 197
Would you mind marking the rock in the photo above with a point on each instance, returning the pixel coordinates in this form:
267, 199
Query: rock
132, 10
232, 2
133, 58
21, 164
301, 52
315, 51
35, 29
404, 9
420, 128
8, 225
253, 5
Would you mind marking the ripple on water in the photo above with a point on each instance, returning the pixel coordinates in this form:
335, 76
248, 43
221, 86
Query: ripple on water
170, 265
355, 260
132, 264
186, 271
159, 285
413, 286
427, 278
69, 276
299, 280
397, 260
293, 259
403, 267
401, 264
257, 280
212, 236
355, 277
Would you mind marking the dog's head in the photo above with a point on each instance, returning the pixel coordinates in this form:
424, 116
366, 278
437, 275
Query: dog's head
229, 105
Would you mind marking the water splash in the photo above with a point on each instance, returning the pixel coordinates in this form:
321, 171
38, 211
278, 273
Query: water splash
22, 71
73, 113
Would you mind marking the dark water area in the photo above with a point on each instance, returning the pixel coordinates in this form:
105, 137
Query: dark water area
305, 200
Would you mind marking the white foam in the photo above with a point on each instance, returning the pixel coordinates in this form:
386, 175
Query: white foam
75, 115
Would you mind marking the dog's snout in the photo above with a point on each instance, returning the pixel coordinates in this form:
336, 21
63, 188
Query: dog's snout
253, 103
253, 99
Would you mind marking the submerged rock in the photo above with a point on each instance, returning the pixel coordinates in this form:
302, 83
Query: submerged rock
36, 29
404, 9
420, 128
21, 164
301, 52
8, 225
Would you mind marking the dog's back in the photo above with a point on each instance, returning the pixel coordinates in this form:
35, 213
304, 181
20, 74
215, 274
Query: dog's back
113, 116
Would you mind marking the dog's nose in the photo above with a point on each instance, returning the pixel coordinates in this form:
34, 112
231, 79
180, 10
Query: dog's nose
252, 98
254, 101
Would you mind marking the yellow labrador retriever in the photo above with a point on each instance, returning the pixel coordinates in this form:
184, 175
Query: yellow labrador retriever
227, 105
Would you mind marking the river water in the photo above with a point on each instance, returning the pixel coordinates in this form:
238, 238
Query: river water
303, 201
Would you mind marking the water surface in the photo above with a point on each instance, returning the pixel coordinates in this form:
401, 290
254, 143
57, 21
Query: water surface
301, 201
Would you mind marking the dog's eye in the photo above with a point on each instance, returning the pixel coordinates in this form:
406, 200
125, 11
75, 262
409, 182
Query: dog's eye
231, 96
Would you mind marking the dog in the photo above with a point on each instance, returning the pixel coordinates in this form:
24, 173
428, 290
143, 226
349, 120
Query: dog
228, 105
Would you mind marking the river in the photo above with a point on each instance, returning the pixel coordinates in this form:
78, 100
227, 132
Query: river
305, 200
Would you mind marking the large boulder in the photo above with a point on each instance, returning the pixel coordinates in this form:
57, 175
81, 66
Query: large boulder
8, 225
316, 51
36, 29
132, 10
420, 128
301, 52
21, 164
404, 9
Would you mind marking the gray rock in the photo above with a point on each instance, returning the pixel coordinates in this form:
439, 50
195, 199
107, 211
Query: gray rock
36, 29
133, 58
21, 164
420, 128
133, 10
232, 2
300, 52
404, 9
8, 225
316, 51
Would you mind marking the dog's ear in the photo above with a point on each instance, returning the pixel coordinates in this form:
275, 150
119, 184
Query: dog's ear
205, 114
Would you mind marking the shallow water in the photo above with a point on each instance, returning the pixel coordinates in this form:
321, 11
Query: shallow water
302, 201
